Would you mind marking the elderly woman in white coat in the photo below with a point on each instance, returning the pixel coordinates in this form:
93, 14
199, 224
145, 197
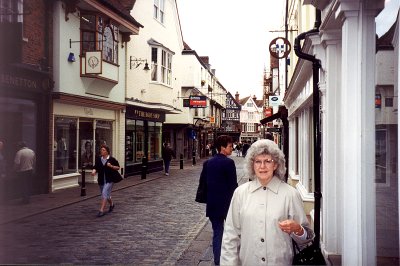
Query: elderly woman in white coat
265, 214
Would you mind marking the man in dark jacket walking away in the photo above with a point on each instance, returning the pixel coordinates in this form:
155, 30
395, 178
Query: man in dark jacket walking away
167, 154
221, 183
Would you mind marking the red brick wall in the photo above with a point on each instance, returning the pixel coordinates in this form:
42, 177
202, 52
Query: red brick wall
34, 27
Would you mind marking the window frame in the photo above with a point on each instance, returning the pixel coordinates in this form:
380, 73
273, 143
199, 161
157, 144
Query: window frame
97, 37
161, 57
159, 10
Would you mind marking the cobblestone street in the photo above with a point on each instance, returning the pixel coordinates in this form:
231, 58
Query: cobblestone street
153, 223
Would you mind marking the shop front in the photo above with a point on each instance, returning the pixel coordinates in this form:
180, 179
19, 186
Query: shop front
143, 140
79, 131
24, 116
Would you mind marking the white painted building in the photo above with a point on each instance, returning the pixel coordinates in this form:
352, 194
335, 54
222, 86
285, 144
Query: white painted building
89, 90
153, 94
359, 167
250, 116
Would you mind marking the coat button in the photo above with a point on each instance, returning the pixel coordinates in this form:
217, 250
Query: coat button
265, 188
262, 239
263, 259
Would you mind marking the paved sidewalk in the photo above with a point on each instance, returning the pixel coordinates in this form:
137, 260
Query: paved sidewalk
14, 210
199, 251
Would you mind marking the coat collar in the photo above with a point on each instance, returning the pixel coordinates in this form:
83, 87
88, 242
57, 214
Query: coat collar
273, 185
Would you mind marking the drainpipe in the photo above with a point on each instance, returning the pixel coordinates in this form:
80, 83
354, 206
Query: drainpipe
316, 65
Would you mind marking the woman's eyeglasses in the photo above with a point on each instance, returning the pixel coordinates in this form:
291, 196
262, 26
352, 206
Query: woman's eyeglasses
268, 162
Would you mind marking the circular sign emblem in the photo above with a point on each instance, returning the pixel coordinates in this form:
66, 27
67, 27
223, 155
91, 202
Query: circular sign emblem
279, 47
274, 99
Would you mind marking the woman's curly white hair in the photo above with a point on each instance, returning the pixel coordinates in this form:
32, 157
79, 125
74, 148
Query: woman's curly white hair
268, 147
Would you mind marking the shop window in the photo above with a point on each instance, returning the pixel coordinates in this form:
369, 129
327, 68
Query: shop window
86, 153
96, 34
64, 148
19, 123
103, 134
139, 147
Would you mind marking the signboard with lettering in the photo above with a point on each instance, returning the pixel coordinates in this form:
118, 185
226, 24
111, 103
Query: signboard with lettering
197, 101
144, 114
275, 100
212, 119
267, 112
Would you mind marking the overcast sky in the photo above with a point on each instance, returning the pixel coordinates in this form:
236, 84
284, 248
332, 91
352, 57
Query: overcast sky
236, 36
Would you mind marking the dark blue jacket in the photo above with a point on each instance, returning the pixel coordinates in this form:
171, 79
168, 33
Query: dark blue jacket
221, 183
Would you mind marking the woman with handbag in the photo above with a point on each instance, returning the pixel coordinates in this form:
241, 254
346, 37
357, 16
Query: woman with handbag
265, 214
106, 168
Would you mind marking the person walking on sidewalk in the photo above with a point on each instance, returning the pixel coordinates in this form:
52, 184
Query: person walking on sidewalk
265, 214
167, 153
106, 168
24, 163
221, 183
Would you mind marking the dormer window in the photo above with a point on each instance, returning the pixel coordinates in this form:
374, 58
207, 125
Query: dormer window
96, 34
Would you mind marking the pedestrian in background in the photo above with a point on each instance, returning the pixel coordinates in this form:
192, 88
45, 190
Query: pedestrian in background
167, 153
106, 168
221, 182
24, 164
246, 146
265, 214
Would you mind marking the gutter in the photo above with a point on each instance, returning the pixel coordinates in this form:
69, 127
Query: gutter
316, 65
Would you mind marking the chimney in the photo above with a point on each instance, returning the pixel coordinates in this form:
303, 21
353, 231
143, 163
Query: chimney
237, 96
254, 98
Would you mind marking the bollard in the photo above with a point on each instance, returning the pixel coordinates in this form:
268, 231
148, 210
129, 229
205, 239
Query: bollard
83, 185
144, 167
181, 161
194, 158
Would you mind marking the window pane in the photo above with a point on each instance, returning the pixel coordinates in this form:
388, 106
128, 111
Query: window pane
108, 45
65, 145
85, 143
103, 135
154, 58
88, 41
139, 140
88, 22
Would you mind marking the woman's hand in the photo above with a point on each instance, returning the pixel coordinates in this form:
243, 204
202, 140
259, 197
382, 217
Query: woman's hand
93, 173
291, 226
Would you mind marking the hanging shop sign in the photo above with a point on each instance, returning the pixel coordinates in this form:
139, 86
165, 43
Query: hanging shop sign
279, 47
197, 101
275, 100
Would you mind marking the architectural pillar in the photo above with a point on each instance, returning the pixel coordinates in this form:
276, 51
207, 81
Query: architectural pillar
332, 151
358, 131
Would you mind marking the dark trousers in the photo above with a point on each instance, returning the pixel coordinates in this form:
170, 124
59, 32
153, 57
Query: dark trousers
166, 165
218, 231
25, 177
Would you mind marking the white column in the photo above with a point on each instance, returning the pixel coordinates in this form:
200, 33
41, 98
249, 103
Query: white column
331, 152
396, 93
358, 122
